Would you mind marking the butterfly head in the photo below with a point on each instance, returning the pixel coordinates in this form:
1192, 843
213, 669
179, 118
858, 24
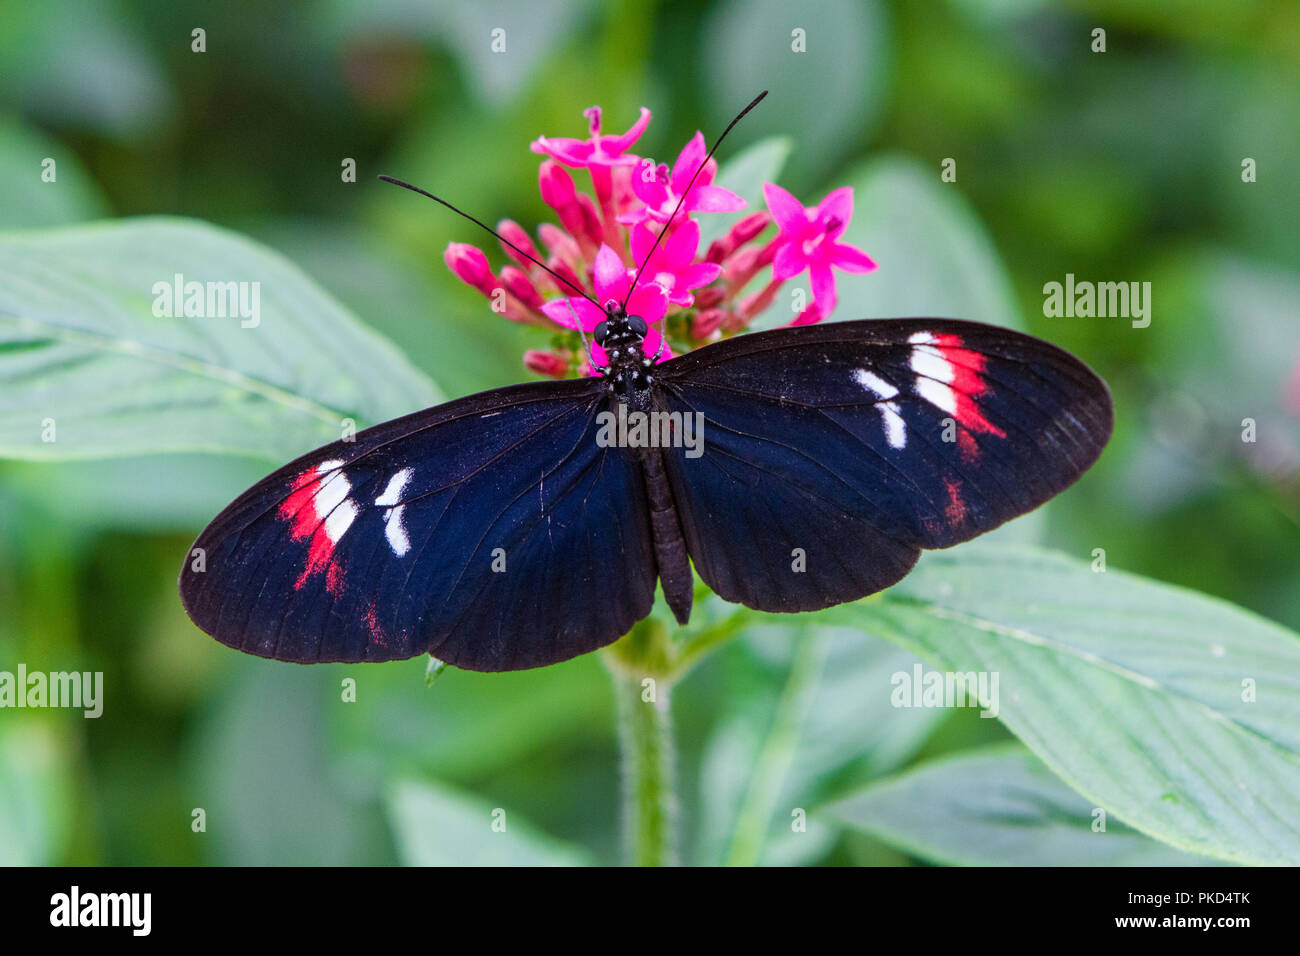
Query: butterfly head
621, 335
620, 332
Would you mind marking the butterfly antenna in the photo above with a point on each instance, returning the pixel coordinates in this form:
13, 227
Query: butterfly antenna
686, 192
501, 238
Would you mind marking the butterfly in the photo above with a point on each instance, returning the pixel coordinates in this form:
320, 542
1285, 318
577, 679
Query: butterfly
496, 532
793, 469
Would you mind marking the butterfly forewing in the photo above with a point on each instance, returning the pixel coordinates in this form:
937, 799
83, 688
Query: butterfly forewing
492, 532
833, 453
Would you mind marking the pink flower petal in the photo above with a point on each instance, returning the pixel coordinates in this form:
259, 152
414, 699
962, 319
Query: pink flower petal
700, 274
850, 258
642, 238
838, 204
823, 287
614, 145
788, 212
561, 312
609, 275
651, 345
678, 249
648, 301
809, 316
789, 261
688, 160
714, 199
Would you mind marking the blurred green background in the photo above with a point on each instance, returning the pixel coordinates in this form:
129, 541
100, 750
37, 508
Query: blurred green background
1116, 166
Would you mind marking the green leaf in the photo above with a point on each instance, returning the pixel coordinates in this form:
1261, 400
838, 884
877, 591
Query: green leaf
744, 174
146, 493
35, 793
97, 71
459, 341
996, 806
935, 258
775, 756
1177, 712
470, 725
826, 93
80, 345
434, 825
264, 777
29, 200
465, 31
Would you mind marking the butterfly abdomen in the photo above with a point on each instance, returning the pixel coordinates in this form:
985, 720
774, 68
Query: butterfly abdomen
670, 547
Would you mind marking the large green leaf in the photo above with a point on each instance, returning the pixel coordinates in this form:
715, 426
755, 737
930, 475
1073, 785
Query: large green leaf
79, 344
996, 806
436, 826
1177, 712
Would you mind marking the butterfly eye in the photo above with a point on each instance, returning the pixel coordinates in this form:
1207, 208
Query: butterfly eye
637, 324
602, 330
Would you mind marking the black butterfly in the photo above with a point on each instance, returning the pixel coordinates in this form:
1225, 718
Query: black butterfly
796, 469
495, 532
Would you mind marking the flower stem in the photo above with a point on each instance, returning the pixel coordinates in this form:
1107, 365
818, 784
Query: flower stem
649, 800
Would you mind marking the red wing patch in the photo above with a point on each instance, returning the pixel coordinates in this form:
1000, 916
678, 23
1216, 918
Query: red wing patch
951, 378
319, 508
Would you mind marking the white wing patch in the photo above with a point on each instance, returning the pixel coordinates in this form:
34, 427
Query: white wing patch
394, 529
891, 418
934, 373
332, 503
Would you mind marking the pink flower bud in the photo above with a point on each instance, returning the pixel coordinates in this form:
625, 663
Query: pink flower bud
515, 233
768, 253
742, 232
708, 298
562, 268
558, 242
550, 364
521, 287
470, 265
747, 228
591, 228
556, 185
742, 267
752, 305
707, 321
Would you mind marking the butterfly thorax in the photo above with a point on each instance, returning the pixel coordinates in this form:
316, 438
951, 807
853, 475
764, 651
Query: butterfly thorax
621, 336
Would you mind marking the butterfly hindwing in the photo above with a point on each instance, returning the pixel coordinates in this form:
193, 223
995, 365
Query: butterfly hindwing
492, 532
832, 454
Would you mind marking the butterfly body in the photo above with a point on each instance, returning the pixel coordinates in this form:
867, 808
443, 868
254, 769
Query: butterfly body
630, 384
499, 532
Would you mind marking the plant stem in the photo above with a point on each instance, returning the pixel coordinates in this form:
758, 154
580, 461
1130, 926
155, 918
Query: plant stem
649, 800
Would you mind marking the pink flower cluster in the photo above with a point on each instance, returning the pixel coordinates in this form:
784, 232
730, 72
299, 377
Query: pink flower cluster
690, 295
